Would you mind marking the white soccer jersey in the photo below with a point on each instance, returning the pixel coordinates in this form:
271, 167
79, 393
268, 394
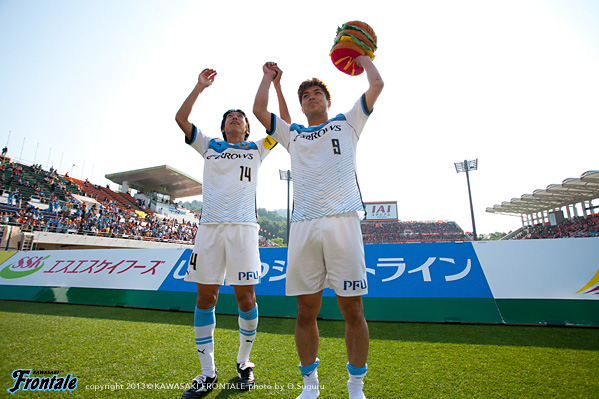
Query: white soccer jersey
323, 163
230, 177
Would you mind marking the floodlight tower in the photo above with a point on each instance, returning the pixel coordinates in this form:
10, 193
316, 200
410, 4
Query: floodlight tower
466, 166
286, 175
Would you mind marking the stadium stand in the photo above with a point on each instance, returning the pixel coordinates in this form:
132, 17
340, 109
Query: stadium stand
37, 200
571, 228
554, 212
105, 194
393, 232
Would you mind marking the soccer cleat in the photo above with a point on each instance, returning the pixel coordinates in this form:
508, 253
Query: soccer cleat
200, 386
246, 376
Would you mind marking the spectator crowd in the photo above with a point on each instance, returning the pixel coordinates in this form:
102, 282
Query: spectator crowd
570, 228
51, 206
398, 231
39, 200
105, 220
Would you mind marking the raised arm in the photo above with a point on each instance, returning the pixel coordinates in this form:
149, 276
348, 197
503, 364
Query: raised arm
205, 79
375, 82
261, 100
283, 110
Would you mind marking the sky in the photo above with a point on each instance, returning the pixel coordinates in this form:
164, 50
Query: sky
92, 88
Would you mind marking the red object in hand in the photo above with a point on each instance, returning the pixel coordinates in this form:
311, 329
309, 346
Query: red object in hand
354, 38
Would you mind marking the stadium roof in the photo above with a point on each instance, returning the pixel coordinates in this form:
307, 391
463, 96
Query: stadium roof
571, 191
161, 179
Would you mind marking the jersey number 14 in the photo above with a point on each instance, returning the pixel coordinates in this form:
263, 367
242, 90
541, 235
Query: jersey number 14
246, 173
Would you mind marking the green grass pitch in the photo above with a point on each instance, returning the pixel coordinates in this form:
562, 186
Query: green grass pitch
131, 353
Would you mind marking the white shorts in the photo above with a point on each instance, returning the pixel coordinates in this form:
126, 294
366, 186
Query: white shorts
326, 252
225, 254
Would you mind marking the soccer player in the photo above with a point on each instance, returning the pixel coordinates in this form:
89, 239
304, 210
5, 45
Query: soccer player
325, 242
226, 242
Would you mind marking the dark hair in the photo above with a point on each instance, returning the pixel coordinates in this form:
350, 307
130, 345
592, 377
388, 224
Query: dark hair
313, 82
222, 124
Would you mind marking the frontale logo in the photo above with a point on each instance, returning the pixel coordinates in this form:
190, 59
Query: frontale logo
24, 381
588, 288
24, 267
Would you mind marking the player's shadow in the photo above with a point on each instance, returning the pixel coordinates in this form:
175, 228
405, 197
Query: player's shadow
228, 389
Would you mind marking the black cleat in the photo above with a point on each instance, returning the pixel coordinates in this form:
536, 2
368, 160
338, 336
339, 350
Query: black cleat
246, 376
200, 386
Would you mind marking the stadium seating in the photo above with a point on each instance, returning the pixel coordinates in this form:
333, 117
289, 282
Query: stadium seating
575, 227
102, 194
40, 200
399, 231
